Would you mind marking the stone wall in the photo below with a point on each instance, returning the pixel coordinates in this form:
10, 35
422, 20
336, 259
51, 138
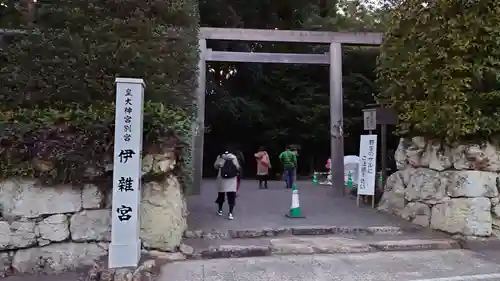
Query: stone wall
452, 189
56, 228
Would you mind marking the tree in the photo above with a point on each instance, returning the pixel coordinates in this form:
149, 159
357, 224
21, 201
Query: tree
279, 104
439, 67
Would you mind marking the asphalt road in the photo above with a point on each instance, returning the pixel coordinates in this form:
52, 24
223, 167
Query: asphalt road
450, 265
266, 208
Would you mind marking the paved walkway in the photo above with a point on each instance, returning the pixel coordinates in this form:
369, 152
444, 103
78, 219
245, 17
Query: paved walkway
256, 208
451, 265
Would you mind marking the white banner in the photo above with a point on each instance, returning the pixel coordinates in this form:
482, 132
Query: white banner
125, 247
367, 164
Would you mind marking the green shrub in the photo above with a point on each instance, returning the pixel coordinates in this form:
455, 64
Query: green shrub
75, 145
440, 68
57, 82
76, 49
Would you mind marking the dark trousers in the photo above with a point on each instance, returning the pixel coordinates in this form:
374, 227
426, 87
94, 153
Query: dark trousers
231, 200
289, 177
262, 180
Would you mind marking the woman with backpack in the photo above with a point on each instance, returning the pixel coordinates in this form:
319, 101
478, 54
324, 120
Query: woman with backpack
227, 183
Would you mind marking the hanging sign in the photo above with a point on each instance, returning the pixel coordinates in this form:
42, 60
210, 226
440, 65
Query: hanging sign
370, 119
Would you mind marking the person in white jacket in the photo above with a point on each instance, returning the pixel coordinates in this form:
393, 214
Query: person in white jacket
227, 184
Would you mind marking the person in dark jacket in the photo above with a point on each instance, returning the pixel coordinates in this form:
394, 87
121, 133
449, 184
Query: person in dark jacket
226, 186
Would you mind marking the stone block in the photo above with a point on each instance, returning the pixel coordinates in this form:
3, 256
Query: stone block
5, 264
26, 198
163, 213
415, 244
18, 234
54, 228
400, 154
91, 225
234, 251
167, 256
418, 213
472, 184
393, 199
318, 245
481, 156
57, 258
415, 149
426, 184
186, 249
92, 197
437, 156
466, 216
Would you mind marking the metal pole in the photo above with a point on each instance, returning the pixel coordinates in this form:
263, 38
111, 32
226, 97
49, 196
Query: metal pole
200, 119
336, 117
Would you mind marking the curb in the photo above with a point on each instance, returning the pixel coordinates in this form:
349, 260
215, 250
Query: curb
478, 243
230, 251
415, 245
299, 230
238, 251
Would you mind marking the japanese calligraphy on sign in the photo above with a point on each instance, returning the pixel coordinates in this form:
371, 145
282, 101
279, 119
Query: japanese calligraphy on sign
127, 128
125, 184
124, 213
370, 119
367, 164
124, 249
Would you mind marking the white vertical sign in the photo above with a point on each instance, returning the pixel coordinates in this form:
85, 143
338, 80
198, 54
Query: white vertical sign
367, 165
125, 247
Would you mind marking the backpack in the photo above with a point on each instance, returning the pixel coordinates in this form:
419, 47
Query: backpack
228, 170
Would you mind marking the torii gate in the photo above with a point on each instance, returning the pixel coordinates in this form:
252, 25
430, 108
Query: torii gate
332, 58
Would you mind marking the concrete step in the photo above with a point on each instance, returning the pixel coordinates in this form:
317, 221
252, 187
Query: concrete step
300, 230
307, 245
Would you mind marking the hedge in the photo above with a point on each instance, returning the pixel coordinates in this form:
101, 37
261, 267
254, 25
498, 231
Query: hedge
75, 145
440, 68
57, 87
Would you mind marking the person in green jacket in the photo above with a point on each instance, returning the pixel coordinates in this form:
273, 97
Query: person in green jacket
289, 161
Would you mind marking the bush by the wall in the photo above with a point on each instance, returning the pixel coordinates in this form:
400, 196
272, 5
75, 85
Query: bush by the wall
75, 145
440, 68
57, 82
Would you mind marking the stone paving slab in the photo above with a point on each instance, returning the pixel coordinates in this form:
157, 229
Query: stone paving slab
296, 245
266, 208
318, 245
416, 244
298, 230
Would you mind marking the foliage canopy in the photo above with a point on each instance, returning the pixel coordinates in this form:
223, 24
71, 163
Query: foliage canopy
440, 67
279, 104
